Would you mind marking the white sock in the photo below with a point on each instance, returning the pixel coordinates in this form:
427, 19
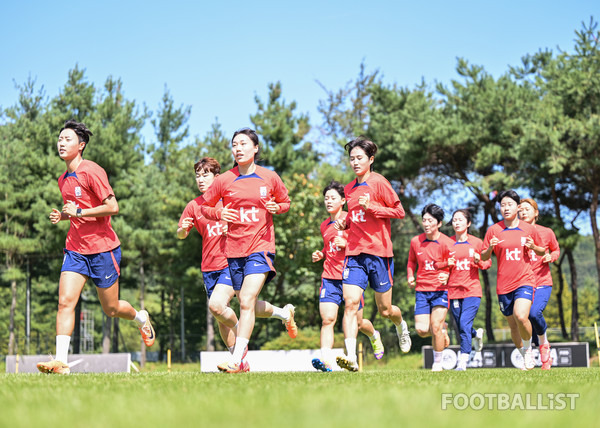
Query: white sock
350, 349
238, 350
463, 358
62, 347
402, 328
231, 348
141, 318
437, 356
280, 313
543, 339
375, 335
522, 351
526, 344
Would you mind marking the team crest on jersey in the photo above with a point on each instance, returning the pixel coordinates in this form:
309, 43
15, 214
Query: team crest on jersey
78, 191
263, 191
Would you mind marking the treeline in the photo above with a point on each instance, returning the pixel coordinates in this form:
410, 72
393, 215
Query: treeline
536, 128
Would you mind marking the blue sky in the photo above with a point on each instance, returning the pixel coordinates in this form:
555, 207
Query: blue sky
217, 56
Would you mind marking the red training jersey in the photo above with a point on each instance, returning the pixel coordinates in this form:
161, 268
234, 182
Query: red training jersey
333, 264
464, 275
213, 239
369, 231
431, 257
514, 263
253, 232
548, 240
88, 186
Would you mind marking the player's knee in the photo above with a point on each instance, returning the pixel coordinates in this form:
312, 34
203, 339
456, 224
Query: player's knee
385, 311
216, 308
351, 305
65, 304
327, 321
110, 310
521, 316
422, 330
247, 304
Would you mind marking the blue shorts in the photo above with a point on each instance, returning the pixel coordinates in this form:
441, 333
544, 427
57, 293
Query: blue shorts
332, 291
507, 301
216, 277
254, 263
103, 268
366, 269
426, 300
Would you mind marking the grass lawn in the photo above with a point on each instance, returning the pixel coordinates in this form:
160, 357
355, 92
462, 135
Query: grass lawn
393, 395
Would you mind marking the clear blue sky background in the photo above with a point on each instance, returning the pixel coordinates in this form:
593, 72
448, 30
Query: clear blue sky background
217, 56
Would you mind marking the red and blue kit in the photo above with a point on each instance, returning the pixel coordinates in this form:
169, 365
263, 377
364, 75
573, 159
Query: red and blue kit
514, 263
369, 231
548, 240
464, 275
334, 256
87, 187
253, 232
213, 239
431, 257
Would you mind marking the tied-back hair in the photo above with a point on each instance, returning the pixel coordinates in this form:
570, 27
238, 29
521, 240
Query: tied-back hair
534, 204
251, 133
82, 131
466, 212
368, 146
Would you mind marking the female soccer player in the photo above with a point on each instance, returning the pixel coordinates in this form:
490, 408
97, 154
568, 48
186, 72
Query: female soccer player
215, 270
510, 240
251, 195
92, 247
369, 254
528, 212
430, 252
331, 292
464, 287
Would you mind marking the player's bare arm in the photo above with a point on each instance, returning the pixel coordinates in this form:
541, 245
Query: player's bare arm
184, 230
109, 207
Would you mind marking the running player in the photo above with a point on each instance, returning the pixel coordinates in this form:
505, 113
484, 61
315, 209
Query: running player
372, 202
331, 292
510, 240
430, 252
251, 195
92, 246
215, 270
528, 212
464, 287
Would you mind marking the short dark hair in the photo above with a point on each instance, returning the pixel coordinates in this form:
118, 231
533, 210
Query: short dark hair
82, 131
335, 185
435, 211
251, 133
368, 146
208, 164
509, 194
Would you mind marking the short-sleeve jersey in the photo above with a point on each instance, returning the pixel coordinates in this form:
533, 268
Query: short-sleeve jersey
369, 231
548, 240
333, 264
514, 263
247, 194
87, 187
464, 275
213, 239
431, 257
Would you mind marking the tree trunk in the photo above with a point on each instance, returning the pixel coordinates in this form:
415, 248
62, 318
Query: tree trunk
11, 325
489, 328
171, 320
210, 330
77, 328
574, 308
142, 297
115, 336
559, 302
161, 349
596, 234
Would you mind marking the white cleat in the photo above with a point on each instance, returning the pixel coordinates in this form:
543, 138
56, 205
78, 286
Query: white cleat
478, 340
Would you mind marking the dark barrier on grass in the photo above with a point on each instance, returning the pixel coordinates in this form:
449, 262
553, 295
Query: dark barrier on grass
567, 354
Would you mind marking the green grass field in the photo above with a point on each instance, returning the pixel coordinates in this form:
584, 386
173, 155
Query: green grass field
395, 395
